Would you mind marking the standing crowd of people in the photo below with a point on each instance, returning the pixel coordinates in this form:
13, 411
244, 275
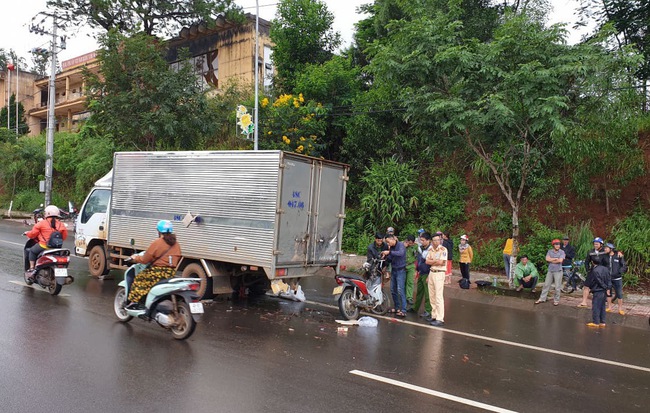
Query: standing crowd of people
422, 266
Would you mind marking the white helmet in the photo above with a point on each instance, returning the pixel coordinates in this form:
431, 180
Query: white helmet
51, 211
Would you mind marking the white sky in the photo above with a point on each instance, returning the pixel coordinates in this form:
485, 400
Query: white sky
14, 29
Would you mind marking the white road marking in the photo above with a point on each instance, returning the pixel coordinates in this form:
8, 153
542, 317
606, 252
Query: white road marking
506, 342
431, 392
33, 287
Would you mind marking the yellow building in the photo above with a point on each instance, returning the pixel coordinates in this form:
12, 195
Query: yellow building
221, 51
70, 101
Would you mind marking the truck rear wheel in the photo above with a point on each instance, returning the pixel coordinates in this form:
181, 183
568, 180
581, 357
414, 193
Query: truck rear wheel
195, 270
97, 264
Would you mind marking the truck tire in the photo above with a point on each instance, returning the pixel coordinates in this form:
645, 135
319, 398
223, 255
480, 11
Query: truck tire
97, 264
195, 270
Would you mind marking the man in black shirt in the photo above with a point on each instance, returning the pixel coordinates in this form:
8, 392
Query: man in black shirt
594, 257
375, 249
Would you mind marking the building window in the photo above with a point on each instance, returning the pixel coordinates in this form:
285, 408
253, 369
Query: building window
206, 69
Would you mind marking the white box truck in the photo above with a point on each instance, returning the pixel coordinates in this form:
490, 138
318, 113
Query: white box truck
244, 219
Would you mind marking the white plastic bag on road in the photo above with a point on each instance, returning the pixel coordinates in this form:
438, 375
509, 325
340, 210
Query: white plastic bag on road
297, 295
368, 322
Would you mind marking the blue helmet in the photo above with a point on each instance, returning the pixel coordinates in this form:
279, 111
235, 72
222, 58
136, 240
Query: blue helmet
421, 230
598, 239
165, 227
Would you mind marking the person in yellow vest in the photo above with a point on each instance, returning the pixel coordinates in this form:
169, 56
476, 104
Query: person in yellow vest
507, 255
466, 256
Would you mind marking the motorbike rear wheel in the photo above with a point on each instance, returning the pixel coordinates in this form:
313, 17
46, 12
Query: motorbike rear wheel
382, 308
185, 324
349, 311
118, 306
54, 288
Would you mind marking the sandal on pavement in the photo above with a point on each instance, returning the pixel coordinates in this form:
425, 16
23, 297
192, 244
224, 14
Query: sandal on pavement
392, 311
540, 301
592, 325
609, 310
582, 305
621, 312
556, 303
400, 314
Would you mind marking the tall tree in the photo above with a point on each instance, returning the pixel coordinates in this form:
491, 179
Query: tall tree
630, 20
504, 99
140, 102
302, 34
23, 128
153, 17
335, 84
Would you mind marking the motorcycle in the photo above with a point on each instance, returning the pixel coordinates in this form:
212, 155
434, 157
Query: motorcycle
172, 303
355, 293
38, 214
50, 269
69, 214
573, 279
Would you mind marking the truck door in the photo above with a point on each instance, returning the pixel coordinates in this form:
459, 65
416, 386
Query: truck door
91, 221
328, 208
295, 203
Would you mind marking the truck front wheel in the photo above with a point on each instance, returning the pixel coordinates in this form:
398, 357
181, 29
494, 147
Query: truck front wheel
97, 264
195, 270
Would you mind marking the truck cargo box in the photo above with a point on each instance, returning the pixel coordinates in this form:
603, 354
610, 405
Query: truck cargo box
280, 211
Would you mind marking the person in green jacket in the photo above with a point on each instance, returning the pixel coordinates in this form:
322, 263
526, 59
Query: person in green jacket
526, 275
411, 257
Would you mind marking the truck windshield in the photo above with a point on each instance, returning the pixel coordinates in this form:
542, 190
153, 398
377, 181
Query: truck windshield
97, 204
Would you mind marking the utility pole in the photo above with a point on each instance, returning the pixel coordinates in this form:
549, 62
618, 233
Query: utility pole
51, 119
257, 80
16, 100
9, 69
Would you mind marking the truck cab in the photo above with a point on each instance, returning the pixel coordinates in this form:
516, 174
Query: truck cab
91, 227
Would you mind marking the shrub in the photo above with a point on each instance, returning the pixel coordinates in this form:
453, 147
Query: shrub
355, 237
387, 193
488, 254
445, 206
632, 236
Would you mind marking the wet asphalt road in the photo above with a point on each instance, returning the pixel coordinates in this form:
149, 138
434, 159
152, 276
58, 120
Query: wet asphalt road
68, 354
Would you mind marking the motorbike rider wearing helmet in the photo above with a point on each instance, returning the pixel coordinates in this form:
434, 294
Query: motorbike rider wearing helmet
162, 257
594, 257
42, 231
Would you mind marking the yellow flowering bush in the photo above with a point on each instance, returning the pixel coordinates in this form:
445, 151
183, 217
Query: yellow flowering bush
292, 123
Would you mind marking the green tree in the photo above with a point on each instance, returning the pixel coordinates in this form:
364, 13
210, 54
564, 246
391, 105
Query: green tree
504, 99
152, 17
143, 104
302, 34
335, 84
630, 20
23, 129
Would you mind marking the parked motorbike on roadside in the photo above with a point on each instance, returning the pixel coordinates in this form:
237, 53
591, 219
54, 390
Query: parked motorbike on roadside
69, 214
355, 294
573, 279
38, 214
172, 303
50, 270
